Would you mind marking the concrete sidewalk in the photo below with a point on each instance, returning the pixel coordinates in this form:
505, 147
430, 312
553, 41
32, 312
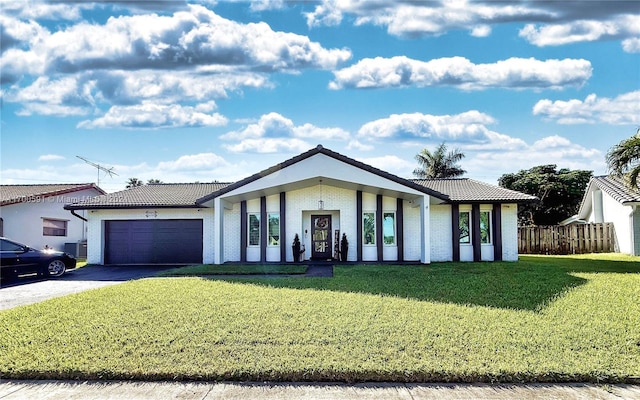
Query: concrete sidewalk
63, 390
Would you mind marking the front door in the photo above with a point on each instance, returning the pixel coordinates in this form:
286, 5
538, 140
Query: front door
321, 237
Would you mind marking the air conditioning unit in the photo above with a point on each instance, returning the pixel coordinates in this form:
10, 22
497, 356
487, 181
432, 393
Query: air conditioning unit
77, 249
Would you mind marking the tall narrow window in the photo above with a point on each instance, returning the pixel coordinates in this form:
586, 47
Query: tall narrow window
389, 228
54, 227
254, 229
369, 228
274, 230
465, 232
485, 227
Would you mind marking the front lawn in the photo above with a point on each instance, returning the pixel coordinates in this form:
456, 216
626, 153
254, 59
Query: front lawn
541, 319
234, 269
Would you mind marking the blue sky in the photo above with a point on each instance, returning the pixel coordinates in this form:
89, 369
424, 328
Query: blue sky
201, 91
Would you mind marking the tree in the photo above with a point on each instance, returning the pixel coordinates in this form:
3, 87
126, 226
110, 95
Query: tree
439, 164
133, 182
623, 159
153, 181
560, 193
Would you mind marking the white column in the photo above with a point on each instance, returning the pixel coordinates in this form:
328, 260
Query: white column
425, 220
218, 231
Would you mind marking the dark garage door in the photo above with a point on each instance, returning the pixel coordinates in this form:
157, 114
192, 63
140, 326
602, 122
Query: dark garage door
153, 241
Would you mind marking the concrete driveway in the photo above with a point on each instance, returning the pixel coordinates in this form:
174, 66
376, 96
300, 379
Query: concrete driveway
28, 290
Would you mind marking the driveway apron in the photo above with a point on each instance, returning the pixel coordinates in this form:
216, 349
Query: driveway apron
27, 290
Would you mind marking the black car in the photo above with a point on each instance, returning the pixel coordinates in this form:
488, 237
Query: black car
19, 259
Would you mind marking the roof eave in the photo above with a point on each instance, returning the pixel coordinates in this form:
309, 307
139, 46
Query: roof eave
31, 198
130, 206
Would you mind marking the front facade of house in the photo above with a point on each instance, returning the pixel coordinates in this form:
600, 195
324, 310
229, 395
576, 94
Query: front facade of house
35, 214
607, 199
319, 196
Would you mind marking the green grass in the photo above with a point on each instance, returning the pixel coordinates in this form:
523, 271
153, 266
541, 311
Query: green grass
541, 319
233, 269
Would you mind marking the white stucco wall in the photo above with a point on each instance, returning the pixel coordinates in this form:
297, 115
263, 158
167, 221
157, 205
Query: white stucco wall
441, 231
411, 231
95, 227
620, 215
232, 233
22, 222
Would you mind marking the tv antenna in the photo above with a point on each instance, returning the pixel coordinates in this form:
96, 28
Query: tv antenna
99, 167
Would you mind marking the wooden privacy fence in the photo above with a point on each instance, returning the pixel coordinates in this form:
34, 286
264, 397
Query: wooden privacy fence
570, 239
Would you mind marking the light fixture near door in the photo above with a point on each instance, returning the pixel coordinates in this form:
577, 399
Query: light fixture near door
320, 202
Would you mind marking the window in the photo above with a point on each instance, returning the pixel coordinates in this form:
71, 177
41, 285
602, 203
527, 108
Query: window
485, 227
369, 228
254, 229
389, 228
6, 245
274, 230
54, 227
464, 222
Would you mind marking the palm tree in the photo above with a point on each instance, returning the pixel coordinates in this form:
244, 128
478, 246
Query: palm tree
439, 164
133, 182
623, 159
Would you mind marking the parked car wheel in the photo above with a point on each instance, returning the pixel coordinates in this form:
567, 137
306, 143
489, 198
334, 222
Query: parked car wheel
56, 268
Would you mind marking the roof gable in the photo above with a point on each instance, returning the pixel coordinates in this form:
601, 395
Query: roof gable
274, 176
11, 194
611, 185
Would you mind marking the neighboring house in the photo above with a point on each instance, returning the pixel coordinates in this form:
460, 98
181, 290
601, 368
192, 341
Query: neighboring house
318, 195
35, 214
608, 199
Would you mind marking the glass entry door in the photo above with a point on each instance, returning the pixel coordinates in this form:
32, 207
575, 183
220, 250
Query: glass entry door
321, 248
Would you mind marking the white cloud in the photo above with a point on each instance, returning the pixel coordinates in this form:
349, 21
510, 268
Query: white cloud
358, 145
513, 73
469, 126
272, 129
194, 162
490, 164
72, 70
621, 110
50, 157
625, 26
65, 96
561, 22
489, 154
481, 31
262, 5
150, 115
185, 39
326, 14
631, 45
392, 164
34, 9
269, 145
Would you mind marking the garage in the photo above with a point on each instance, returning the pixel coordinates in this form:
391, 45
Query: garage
172, 241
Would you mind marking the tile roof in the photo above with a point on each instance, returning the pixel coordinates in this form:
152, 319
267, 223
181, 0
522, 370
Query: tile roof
196, 194
468, 190
10, 194
616, 188
153, 195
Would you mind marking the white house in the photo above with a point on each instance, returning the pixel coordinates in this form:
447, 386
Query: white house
35, 214
318, 195
608, 199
